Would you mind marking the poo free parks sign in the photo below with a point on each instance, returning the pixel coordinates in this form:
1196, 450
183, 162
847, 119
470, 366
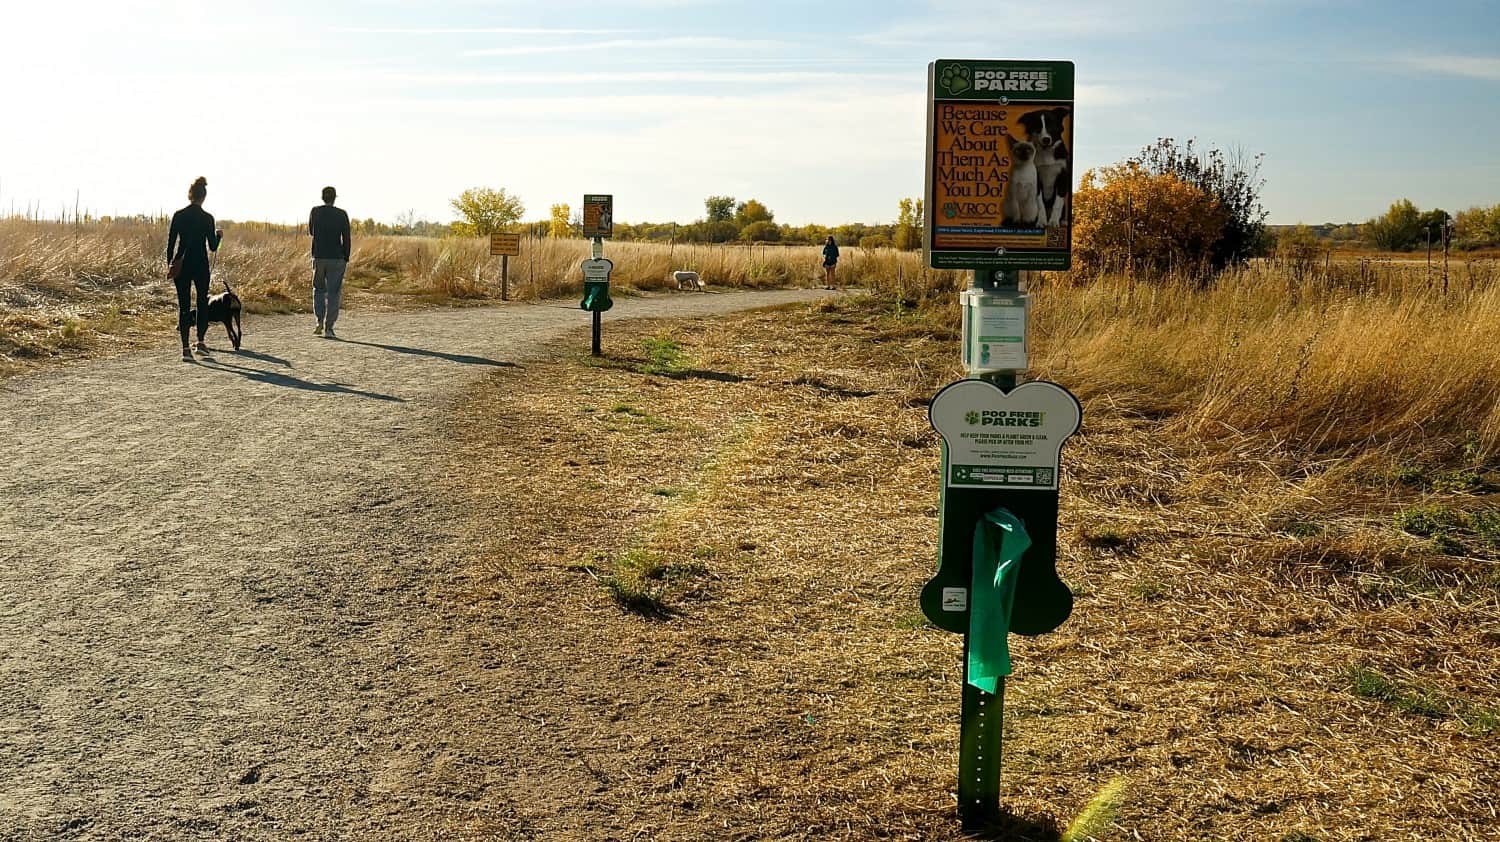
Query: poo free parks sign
999, 164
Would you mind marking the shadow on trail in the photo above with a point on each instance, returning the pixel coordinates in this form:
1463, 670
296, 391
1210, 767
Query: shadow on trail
290, 382
465, 359
265, 358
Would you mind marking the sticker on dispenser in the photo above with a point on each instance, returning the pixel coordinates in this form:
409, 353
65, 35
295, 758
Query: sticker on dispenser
955, 599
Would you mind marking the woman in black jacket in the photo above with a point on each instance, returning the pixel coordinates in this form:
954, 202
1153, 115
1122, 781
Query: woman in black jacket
192, 237
830, 262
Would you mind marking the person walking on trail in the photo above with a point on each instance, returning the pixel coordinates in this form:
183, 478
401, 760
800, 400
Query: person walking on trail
190, 239
830, 262
329, 227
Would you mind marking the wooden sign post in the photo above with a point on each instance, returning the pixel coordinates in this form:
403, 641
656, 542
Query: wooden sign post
506, 246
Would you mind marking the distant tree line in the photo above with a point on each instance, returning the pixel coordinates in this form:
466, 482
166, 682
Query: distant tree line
1177, 209
726, 220
485, 210
1405, 227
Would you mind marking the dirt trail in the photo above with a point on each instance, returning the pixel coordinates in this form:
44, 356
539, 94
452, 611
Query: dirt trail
217, 577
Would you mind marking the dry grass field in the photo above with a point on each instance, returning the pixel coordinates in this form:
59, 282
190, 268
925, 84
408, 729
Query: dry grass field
68, 291
1280, 634
1281, 521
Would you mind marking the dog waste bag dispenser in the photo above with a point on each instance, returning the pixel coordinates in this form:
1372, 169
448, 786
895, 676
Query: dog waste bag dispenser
993, 330
997, 551
596, 285
998, 188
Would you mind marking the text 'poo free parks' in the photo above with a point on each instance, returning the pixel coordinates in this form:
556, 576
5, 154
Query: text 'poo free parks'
1000, 162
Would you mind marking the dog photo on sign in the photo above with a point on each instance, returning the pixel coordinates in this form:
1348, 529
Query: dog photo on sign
1045, 132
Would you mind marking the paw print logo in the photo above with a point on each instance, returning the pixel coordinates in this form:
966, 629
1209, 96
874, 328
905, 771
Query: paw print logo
956, 79
972, 418
950, 209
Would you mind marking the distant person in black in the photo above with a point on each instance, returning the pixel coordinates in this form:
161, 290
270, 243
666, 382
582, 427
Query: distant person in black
329, 227
830, 262
191, 238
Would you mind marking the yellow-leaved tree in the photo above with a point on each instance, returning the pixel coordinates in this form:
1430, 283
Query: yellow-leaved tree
560, 227
486, 211
909, 222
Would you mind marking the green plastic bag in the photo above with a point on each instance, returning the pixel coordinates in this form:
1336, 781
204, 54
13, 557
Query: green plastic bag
596, 296
1000, 540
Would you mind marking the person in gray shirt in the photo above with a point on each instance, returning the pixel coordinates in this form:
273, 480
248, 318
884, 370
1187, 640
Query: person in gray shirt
329, 227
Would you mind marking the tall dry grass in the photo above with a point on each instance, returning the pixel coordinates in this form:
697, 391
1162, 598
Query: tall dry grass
1355, 356
1324, 368
1326, 358
551, 268
67, 286
52, 261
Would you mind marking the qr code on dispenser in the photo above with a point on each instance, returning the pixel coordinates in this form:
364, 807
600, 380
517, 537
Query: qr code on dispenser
1044, 476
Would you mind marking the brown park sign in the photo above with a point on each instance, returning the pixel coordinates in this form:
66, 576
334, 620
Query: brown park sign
508, 245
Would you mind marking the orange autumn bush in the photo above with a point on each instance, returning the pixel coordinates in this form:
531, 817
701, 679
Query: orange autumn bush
1128, 220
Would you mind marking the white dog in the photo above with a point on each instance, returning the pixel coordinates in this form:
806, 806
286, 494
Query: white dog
1023, 199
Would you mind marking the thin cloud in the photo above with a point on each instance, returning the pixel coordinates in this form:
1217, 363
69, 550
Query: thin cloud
694, 43
1468, 67
589, 107
491, 30
961, 25
637, 77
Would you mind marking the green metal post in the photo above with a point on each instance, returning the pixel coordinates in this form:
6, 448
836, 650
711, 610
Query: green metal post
982, 726
597, 250
981, 714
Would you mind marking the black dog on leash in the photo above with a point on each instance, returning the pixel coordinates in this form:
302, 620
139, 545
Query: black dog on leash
224, 308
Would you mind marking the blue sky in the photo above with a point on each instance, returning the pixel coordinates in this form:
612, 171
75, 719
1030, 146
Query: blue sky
816, 109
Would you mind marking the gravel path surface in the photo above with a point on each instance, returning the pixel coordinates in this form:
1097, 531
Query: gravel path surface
215, 575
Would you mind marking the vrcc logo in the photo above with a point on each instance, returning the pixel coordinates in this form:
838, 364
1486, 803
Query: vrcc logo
971, 209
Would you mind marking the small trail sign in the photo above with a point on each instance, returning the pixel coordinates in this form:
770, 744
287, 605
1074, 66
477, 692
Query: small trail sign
999, 164
505, 245
598, 215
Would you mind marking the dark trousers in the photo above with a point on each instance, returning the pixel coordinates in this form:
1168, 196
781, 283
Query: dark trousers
192, 277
